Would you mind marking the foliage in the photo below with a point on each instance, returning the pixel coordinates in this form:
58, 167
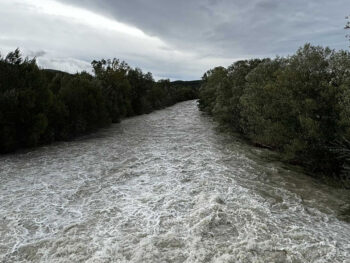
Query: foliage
41, 106
297, 105
347, 26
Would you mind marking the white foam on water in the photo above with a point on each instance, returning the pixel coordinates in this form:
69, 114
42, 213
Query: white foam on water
165, 187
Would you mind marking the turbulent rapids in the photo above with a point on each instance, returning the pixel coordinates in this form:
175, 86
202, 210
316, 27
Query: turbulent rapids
165, 187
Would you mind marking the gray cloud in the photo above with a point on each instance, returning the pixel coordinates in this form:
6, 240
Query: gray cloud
37, 54
233, 27
183, 38
71, 65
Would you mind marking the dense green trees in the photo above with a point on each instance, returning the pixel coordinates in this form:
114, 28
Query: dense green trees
40, 106
297, 105
24, 102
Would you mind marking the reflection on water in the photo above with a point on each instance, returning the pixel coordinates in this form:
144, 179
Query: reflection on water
165, 187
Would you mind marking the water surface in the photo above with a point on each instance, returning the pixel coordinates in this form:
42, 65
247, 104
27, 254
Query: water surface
165, 187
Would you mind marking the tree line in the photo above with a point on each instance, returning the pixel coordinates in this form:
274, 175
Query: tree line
39, 106
297, 105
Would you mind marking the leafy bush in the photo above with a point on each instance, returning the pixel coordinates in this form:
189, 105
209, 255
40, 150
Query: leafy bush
40, 106
297, 105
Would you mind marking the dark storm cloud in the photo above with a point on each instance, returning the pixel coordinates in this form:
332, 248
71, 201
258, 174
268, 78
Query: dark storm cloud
233, 28
178, 39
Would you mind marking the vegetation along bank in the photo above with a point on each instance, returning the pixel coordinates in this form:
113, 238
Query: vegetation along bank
297, 105
39, 106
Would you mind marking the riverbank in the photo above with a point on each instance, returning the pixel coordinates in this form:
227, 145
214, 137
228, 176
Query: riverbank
39, 106
297, 106
271, 155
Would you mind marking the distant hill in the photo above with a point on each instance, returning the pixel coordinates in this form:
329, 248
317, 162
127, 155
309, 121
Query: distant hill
191, 83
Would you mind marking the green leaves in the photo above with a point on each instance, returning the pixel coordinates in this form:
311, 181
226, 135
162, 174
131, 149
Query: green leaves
297, 105
41, 106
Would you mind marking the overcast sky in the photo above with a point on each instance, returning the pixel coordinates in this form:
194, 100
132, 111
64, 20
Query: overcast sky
176, 39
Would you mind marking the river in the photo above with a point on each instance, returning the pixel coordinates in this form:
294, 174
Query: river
165, 187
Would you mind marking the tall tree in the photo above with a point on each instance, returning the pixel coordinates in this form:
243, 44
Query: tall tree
347, 26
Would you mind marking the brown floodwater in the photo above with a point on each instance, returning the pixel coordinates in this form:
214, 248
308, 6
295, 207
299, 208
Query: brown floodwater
166, 187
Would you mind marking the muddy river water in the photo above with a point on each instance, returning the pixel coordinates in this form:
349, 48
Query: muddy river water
165, 187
